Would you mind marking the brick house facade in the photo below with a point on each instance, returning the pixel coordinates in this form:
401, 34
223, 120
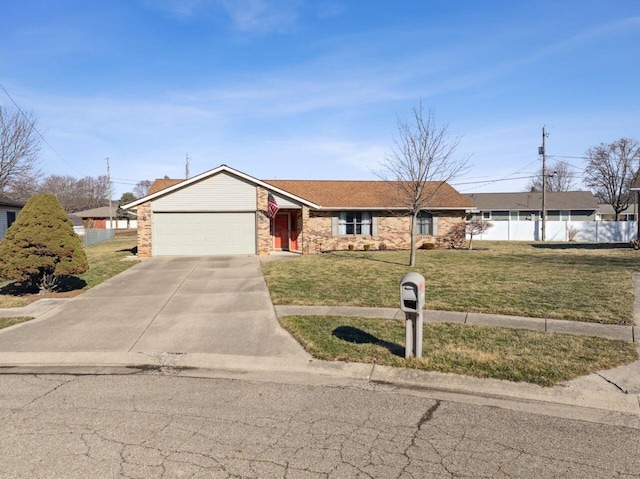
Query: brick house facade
224, 211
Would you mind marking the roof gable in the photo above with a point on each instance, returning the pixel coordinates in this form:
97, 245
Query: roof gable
167, 186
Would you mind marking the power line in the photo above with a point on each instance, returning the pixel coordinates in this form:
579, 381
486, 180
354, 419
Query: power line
36, 130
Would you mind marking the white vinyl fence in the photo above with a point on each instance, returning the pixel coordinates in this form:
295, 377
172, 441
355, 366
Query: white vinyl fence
586, 231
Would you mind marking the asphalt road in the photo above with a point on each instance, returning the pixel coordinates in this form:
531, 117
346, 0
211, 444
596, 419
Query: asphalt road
158, 426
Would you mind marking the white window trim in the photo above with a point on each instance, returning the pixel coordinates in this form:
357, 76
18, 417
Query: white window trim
365, 222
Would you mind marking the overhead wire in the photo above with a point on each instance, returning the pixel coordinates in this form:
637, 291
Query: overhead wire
26, 117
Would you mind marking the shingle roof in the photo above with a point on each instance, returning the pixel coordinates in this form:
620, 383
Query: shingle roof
4, 201
367, 194
568, 200
161, 184
350, 194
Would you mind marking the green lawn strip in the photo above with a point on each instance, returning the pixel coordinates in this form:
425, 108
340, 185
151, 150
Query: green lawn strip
6, 322
105, 261
575, 282
481, 351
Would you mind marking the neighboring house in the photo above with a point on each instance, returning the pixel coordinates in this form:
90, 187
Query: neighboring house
607, 213
99, 218
560, 206
9, 210
224, 211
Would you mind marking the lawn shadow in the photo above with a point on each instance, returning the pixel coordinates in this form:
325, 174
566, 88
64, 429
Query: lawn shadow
368, 256
70, 283
358, 336
66, 284
582, 246
133, 251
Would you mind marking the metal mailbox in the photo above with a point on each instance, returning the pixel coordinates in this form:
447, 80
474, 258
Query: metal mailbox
412, 293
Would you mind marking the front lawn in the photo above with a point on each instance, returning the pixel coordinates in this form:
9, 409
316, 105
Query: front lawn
583, 282
481, 351
105, 261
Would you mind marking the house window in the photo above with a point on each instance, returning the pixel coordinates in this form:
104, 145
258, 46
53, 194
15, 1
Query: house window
425, 223
513, 216
354, 223
11, 217
486, 215
565, 216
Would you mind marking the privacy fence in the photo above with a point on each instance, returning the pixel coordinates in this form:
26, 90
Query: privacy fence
584, 231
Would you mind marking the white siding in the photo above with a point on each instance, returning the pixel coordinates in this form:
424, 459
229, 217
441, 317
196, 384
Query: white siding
222, 192
3, 219
285, 203
203, 234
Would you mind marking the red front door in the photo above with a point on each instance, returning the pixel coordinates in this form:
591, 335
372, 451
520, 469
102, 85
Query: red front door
281, 231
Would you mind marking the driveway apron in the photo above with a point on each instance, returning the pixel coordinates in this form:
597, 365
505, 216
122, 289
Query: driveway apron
217, 304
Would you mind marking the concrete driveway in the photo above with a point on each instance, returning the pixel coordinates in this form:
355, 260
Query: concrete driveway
214, 304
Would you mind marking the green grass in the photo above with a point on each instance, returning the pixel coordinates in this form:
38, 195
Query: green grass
6, 322
480, 351
563, 281
105, 261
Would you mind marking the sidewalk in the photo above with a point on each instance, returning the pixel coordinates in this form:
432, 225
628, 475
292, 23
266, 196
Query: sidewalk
615, 391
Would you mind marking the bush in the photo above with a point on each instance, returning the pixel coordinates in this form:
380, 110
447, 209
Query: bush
456, 236
427, 245
382, 247
40, 247
366, 247
351, 247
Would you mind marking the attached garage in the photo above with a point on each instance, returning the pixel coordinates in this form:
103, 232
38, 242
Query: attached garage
220, 212
203, 233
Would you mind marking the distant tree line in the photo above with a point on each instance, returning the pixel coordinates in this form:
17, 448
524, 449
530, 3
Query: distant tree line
611, 170
21, 178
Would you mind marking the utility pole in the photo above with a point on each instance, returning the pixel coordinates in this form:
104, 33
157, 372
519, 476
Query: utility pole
110, 195
186, 175
543, 151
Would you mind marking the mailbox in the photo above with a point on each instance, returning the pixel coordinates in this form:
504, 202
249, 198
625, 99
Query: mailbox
412, 293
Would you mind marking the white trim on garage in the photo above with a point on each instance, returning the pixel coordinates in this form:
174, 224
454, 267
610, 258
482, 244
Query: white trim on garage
203, 233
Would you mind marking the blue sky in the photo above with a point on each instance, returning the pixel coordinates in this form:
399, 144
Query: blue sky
295, 89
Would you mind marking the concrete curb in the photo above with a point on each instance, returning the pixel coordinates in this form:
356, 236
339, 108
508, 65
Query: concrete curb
609, 331
230, 366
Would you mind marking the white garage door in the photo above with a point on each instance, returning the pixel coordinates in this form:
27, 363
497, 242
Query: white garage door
182, 234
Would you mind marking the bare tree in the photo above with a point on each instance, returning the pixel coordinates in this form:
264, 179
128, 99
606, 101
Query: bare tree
19, 148
64, 188
559, 178
141, 188
476, 227
77, 195
421, 161
611, 170
93, 191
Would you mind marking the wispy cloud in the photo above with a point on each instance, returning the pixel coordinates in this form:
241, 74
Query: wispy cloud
262, 16
247, 16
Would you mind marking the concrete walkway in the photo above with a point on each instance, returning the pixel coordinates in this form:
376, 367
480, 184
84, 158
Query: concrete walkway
215, 305
212, 317
609, 331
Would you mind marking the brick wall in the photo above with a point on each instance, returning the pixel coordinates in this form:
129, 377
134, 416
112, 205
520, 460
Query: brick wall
393, 232
144, 230
263, 227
